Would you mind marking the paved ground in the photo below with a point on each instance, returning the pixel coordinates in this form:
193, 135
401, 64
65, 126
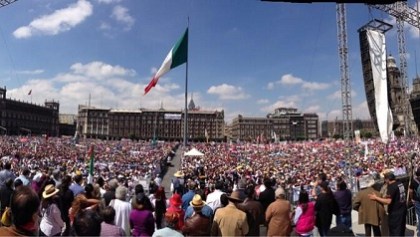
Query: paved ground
166, 181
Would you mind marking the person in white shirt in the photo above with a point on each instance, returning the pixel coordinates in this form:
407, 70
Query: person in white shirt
51, 223
122, 209
213, 199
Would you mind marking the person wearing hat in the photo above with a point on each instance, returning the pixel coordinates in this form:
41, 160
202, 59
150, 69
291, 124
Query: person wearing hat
229, 220
396, 201
177, 184
198, 224
278, 215
369, 211
175, 203
51, 223
172, 219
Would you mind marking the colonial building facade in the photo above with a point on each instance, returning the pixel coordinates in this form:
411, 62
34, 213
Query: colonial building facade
283, 124
22, 118
148, 124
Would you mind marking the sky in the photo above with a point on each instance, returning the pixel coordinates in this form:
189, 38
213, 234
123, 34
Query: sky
245, 56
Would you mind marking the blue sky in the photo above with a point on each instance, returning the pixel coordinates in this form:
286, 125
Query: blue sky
245, 56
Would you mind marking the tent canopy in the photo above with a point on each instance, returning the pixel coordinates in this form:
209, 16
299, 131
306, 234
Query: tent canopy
193, 152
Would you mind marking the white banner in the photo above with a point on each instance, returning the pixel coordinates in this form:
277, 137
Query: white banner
377, 54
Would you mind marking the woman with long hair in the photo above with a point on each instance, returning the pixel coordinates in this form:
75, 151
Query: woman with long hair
160, 204
304, 218
51, 223
142, 222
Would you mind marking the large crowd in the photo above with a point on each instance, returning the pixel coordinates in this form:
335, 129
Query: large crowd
232, 189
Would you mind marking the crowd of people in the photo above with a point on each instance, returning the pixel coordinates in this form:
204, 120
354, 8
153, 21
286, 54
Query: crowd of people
231, 190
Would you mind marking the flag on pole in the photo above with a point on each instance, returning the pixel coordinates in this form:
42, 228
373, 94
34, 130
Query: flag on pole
91, 165
177, 56
30, 92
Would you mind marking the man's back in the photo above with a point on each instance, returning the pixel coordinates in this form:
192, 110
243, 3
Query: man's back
229, 221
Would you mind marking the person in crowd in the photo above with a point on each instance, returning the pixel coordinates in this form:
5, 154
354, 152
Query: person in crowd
51, 223
110, 192
6, 174
267, 196
17, 183
142, 221
304, 217
76, 187
148, 203
322, 178
24, 208
5, 195
205, 210
171, 218
198, 224
108, 228
66, 197
325, 207
229, 220
175, 203
213, 199
343, 197
414, 194
24, 176
188, 196
122, 209
178, 183
80, 203
278, 215
160, 204
369, 210
57, 175
396, 201
87, 223
254, 210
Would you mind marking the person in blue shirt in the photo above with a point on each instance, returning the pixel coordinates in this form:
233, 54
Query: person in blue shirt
76, 186
187, 197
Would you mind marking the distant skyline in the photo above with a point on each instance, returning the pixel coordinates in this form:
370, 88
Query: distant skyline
246, 57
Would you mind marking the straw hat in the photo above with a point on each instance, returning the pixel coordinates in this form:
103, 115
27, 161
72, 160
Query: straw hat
49, 191
197, 201
179, 174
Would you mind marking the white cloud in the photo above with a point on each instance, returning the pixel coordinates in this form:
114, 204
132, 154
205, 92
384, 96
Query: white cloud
100, 70
121, 14
263, 101
312, 109
315, 86
361, 111
270, 86
115, 90
228, 92
278, 104
31, 72
59, 21
289, 79
108, 1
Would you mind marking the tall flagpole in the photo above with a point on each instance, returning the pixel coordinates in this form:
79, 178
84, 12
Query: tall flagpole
186, 91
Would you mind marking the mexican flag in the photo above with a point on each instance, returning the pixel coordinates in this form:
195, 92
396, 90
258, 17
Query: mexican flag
91, 164
177, 56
